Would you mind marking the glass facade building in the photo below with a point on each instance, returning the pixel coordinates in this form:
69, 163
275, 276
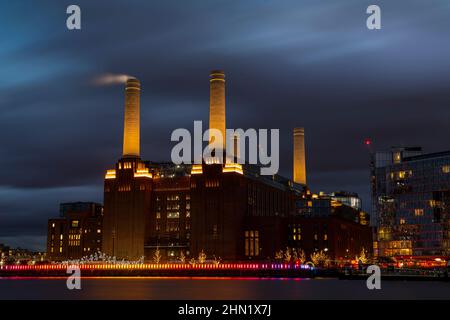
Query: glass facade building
411, 203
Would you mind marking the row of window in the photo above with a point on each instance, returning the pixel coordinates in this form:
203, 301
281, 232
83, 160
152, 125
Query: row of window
173, 214
126, 165
173, 226
173, 197
213, 183
52, 249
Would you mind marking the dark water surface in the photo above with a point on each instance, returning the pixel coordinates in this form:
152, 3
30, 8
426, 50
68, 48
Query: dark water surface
218, 288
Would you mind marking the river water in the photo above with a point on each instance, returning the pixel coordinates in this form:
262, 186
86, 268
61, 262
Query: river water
218, 288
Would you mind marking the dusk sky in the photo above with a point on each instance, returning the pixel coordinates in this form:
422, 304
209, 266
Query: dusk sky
288, 63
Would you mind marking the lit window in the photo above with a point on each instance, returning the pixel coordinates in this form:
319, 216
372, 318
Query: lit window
75, 223
251, 243
397, 157
446, 169
53, 225
127, 165
435, 203
173, 226
173, 215
296, 232
125, 188
402, 221
325, 237
98, 231
418, 212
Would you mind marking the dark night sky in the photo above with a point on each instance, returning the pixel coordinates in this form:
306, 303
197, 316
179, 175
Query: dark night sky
288, 63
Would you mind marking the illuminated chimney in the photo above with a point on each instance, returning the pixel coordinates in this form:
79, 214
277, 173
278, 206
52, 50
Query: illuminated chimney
236, 148
131, 131
217, 103
299, 156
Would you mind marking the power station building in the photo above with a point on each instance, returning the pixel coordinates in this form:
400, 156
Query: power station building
228, 211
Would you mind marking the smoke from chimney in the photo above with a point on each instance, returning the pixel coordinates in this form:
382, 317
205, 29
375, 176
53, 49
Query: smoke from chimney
110, 79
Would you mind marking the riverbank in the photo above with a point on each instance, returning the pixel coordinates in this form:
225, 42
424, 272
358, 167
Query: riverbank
215, 270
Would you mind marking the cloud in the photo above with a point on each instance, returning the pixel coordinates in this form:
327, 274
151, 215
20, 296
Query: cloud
110, 79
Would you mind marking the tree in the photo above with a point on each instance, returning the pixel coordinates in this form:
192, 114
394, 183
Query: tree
294, 255
182, 257
287, 255
216, 261
301, 256
279, 255
320, 259
363, 257
157, 256
192, 261
201, 257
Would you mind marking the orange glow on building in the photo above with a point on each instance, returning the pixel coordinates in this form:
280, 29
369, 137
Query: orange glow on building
143, 173
110, 174
233, 167
197, 169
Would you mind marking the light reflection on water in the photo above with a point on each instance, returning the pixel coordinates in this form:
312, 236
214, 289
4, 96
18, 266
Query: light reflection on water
217, 288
